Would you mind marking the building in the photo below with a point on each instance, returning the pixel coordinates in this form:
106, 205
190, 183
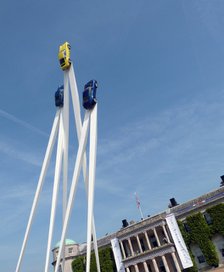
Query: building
71, 249
148, 245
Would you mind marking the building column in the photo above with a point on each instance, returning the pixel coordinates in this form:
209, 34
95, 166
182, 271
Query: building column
145, 267
165, 264
136, 268
139, 244
147, 240
122, 249
166, 234
127, 269
156, 268
176, 262
130, 245
157, 238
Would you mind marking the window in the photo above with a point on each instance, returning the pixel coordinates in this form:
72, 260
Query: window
208, 218
70, 250
186, 227
62, 61
201, 259
153, 241
222, 251
142, 245
161, 266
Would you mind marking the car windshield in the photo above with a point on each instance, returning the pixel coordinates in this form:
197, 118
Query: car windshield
62, 61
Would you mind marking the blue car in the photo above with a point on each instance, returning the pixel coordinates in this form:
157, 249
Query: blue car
89, 95
59, 97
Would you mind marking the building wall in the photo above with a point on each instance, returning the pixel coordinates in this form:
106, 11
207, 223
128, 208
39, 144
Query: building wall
147, 246
70, 252
218, 241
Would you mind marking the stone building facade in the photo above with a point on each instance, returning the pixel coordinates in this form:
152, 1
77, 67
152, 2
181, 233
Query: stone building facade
72, 249
147, 245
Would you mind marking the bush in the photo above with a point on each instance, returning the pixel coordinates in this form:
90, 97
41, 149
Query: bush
78, 264
107, 263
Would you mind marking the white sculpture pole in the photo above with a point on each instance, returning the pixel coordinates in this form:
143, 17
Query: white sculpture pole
65, 115
79, 159
76, 108
43, 172
92, 173
55, 192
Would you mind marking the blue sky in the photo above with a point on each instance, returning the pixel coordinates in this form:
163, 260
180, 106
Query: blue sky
160, 67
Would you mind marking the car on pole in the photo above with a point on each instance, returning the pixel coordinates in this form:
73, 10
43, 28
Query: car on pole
59, 97
89, 95
64, 56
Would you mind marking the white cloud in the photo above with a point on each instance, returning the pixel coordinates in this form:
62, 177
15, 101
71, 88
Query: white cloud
168, 153
22, 123
16, 153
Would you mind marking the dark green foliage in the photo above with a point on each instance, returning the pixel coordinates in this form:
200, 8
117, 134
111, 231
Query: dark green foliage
217, 216
93, 266
194, 267
201, 233
187, 239
186, 235
107, 262
78, 264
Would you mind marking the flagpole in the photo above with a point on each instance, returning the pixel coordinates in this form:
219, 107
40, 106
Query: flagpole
140, 210
139, 205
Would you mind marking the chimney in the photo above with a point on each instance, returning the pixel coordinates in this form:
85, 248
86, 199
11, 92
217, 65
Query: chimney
124, 223
222, 182
173, 202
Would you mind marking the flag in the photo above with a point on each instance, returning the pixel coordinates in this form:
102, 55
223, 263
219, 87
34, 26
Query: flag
137, 201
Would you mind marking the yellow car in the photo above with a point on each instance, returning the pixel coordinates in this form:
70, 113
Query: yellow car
64, 56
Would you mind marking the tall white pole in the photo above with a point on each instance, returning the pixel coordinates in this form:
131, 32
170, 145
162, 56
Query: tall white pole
92, 174
65, 115
75, 100
55, 193
44, 168
76, 108
79, 158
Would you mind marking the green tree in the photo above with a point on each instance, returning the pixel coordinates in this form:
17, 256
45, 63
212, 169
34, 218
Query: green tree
107, 263
78, 264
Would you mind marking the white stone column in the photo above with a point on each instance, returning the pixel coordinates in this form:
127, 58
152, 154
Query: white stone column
166, 234
157, 238
122, 249
139, 244
156, 268
136, 268
165, 264
145, 267
147, 240
127, 269
130, 245
176, 262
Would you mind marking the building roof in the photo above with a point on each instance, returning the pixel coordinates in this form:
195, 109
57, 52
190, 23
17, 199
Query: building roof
67, 243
